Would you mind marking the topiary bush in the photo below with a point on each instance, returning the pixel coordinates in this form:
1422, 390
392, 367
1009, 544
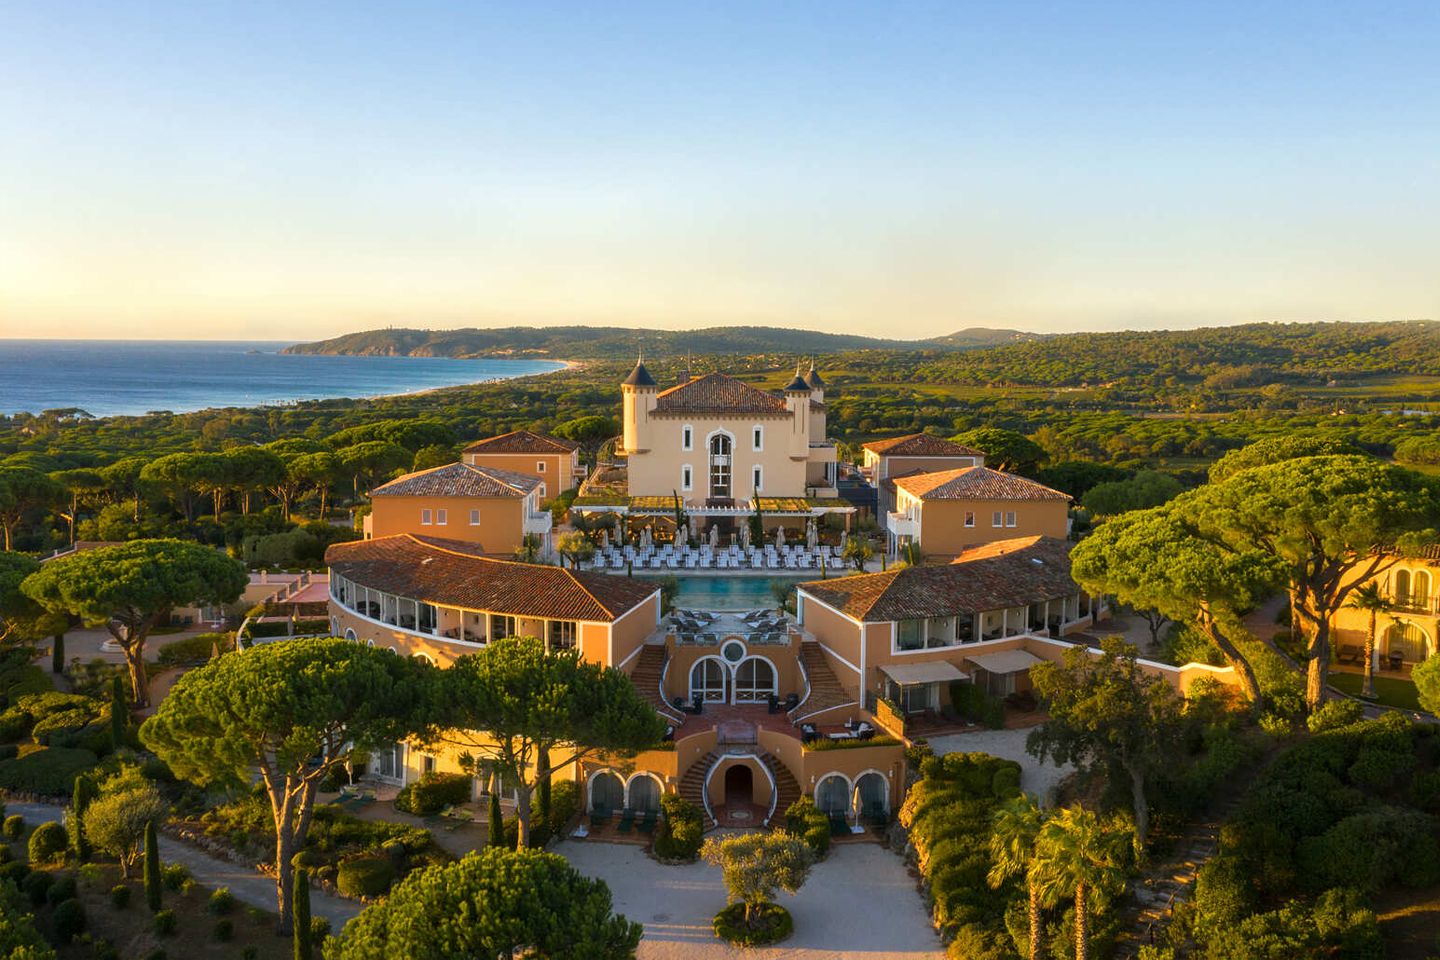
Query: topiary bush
48, 843
196, 649
772, 925
61, 890
319, 930
50, 772
120, 896
36, 885
165, 922
365, 876
681, 831
807, 822
13, 826
174, 875
68, 919
433, 792
222, 901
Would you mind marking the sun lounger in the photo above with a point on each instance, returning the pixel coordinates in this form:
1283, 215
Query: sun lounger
442, 815
459, 817
838, 826
627, 821
647, 822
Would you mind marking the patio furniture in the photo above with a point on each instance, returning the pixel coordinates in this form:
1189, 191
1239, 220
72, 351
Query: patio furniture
808, 733
441, 815
459, 817
627, 821
772, 704
697, 704
1396, 660
599, 815
838, 826
1351, 653
792, 700
875, 813
647, 822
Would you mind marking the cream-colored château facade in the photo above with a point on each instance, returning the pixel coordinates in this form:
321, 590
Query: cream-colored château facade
1407, 632
715, 439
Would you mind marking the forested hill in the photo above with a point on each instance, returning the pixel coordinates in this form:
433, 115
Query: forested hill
621, 342
1225, 357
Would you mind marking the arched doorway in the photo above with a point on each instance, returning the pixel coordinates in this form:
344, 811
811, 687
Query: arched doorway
832, 794
644, 794
1407, 640
754, 680
708, 680
874, 794
606, 792
739, 785
720, 449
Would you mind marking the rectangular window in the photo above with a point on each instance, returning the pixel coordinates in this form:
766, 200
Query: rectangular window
501, 626
562, 634
969, 518
474, 518
909, 634
440, 519
425, 518
756, 480
539, 466
540, 490
1010, 518
758, 439
685, 439
997, 519
427, 765
686, 478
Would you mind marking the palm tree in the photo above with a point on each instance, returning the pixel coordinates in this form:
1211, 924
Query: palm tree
1368, 598
1012, 852
1078, 855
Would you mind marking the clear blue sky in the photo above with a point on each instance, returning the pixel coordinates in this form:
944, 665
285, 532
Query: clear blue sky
292, 171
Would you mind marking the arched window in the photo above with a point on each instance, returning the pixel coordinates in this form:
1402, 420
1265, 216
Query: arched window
1402, 586
350, 635
606, 792
720, 449
874, 794
1407, 640
754, 680
1420, 589
832, 794
644, 794
707, 680
334, 626
423, 656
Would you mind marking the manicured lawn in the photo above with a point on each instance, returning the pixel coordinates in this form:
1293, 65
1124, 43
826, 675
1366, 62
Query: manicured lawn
1390, 691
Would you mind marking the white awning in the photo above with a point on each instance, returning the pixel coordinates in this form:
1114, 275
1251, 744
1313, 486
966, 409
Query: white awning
1006, 661
936, 671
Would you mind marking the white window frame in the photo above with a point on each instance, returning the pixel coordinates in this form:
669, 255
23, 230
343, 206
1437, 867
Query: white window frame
539, 466
969, 518
425, 517
540, 490
757, 438
474, 518
687, 477
997, 518
442, 518
1009, 518
687, 437
757, 478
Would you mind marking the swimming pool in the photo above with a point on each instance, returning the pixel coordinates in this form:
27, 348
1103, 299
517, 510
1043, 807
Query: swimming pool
728, 593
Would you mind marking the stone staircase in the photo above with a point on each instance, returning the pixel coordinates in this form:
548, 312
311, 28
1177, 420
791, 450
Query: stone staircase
646, 676
787, 788
825, 689
692, 785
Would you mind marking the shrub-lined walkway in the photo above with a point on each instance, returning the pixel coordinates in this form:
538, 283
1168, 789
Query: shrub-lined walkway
249, 886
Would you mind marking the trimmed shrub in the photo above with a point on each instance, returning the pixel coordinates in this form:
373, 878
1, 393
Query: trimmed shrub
773, 925
14, 871
365, 877
13, 826
564, 801
1006, 783
36, 885
50, 772
222, 901
69, 919
196, 649
1223, 893
62, 890
432, 792
165, 922
319, 930
1334, 714
48, 843
806, 821
681, 830
224, 929
175, 875
120, 896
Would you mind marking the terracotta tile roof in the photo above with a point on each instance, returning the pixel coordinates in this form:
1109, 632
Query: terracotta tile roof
717, 393
453, 573
1012, 573
459, 480
975, 483
921, 445
523, 441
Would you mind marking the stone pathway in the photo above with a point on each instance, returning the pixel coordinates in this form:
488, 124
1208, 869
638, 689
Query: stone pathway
248, 885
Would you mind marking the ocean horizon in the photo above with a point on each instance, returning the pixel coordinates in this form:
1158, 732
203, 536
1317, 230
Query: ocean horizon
108, 378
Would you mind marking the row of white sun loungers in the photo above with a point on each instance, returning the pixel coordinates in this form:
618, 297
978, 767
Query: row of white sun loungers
768, 559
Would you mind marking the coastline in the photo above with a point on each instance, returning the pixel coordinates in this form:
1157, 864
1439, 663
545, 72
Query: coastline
570, 365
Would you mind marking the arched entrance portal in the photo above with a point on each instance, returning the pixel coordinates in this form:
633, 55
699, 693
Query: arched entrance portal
739, 785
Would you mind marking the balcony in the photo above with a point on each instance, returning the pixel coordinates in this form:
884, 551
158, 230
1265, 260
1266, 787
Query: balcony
538, 522
901, 525
1426, 606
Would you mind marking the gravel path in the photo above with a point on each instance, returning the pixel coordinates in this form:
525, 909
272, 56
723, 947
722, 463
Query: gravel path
249, 886
860, 903
1035, 778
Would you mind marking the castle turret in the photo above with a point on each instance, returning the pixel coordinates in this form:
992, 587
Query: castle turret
637, 394
797, 401
816, 383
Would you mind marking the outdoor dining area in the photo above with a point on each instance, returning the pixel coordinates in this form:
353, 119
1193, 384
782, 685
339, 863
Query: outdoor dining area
707, 553
704, 628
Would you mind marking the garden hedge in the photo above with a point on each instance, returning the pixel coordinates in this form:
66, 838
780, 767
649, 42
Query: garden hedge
48, 843
196, 649
433, 792
49, 772
365, 876
681, 830
807, 822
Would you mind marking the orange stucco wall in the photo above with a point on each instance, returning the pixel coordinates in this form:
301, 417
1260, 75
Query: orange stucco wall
558, 474
500, 529
942, 523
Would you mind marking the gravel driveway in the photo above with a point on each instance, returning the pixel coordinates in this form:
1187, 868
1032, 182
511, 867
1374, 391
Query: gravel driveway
859, 903
1036, 779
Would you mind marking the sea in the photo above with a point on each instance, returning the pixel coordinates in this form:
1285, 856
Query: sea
108, 378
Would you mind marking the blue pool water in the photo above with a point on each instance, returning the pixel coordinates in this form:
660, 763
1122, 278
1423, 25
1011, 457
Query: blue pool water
728, 593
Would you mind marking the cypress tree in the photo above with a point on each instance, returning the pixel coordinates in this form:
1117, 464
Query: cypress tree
497, 823
300, 916
80, 801
542, 790
57, 654
117, 712
152, 868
